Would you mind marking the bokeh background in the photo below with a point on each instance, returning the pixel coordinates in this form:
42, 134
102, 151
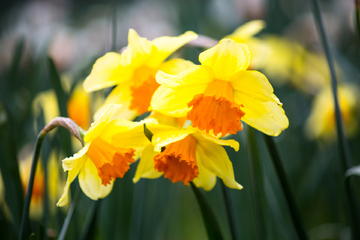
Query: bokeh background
73, 34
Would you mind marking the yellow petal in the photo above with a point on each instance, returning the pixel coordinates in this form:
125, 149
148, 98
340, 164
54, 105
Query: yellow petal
72, 165
200, 135
98, 126
173, 102
247, 30
128, 134
164, 138
267, 117
138, 50
253, 84
195, 75
167, 45
175, 66
226, 58
145, 168
205, 179
215, 159
120, 95
106, 72
90, 182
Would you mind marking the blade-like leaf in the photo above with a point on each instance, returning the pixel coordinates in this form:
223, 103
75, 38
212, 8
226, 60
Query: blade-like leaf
211, 224
62, 101
10, 169
257, 183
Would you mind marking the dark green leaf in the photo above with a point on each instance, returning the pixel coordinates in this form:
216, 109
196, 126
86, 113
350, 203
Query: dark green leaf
211, 224
148, 133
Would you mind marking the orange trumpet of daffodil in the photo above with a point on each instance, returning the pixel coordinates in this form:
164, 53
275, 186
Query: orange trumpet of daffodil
216, 95
187, 155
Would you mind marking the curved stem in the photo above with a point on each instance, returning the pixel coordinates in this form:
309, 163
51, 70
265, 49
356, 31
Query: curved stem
58, 121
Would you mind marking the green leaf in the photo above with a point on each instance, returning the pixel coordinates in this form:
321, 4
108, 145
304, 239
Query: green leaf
62, 101
88, 230
148, 133
211, 224
257, 183
285, 185
10, 169
17, 58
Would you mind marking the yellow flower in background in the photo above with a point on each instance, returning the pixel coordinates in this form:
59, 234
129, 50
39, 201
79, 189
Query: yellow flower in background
37, 195
216, 95
311, 72
321, 124
78, 107
133, 71
187, 155
99, 162
278, 58
245, 34
47, 103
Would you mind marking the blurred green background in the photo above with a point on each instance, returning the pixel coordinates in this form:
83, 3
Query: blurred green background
73, 34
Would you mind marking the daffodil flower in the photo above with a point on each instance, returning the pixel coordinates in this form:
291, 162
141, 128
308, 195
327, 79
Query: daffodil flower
101, 160
133, 71
216, 95
321, 121
188, 155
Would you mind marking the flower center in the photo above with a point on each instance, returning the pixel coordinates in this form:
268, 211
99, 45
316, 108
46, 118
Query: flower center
111, 162
216, 110
143, 89
178, 161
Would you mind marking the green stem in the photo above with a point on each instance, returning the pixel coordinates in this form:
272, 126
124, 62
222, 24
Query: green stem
69, 214
25, 217
211, 225
229, 211
344, 149
257, 180
343, 145
284, 182
357, 15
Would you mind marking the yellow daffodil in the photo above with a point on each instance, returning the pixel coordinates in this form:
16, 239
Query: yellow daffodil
278, 58
187, 155
310, 72
321, 122
78, 107
100, 161
216, 95
133, 71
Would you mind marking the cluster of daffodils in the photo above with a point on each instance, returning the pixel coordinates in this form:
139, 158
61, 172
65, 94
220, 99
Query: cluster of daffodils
192, 107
